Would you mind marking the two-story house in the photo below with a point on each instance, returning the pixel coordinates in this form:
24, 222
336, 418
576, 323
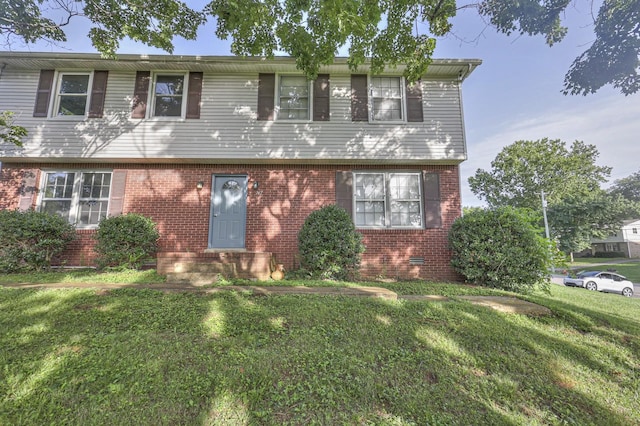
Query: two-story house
229, 155
625, 241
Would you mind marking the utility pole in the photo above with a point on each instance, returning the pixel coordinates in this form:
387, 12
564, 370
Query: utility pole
546, 223
544, 214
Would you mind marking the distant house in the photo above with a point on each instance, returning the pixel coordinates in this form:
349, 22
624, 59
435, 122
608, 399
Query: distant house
626, 240
229, 155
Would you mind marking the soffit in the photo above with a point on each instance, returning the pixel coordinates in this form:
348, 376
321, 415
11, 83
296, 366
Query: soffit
440, 68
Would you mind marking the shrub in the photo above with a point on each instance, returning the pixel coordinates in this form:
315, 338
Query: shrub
126, 241
329, 245
30, 240
501, 248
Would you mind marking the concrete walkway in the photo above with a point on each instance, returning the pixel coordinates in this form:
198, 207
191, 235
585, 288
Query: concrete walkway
499, 303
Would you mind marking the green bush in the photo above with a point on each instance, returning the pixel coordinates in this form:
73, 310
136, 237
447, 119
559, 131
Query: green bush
329, 245
126, 241
29, 240
501, 248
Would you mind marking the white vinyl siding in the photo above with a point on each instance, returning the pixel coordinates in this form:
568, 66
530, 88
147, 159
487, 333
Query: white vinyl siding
82, 198
388, 200
294, 98
228, 130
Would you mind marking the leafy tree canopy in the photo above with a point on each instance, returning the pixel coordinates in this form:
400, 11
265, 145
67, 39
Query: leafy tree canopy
576, 220
628, 187
522, 170
9, 132
312, 31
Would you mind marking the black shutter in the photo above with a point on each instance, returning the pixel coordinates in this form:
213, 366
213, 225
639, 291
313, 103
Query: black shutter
43, 96
116, 195
195, 95
432, 213
414, 102
266, 96
98, 92
344, 191
359, 98
321, 97
140, 94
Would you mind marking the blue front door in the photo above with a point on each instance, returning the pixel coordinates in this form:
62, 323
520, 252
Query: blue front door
228, 211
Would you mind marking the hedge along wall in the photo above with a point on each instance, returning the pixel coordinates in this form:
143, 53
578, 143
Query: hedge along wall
275, 212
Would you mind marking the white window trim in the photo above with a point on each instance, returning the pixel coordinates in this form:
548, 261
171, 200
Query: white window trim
75, 194
54, 104
277, 99
387, 201
403, 100
151, 110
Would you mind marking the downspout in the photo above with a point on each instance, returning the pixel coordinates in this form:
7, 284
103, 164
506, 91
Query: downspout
4, 65
461, 78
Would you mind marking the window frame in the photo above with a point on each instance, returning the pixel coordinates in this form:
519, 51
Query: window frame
278, 99
151, 112
388, 198
54, 106
371, 99
76, 194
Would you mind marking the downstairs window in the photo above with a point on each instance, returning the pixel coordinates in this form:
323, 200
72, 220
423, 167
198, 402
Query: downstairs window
80, 197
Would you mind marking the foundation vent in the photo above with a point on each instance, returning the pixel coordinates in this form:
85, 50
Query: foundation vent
416, 261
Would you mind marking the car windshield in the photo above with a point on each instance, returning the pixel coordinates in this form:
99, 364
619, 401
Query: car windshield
588, 274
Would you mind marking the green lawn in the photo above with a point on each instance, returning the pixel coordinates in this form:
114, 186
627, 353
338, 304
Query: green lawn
133, 356
84, 276
586, 261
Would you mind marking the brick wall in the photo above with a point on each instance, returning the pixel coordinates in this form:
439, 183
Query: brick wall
275, 212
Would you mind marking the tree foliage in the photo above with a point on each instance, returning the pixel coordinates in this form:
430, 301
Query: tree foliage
576, 220
522, 170
154, 23
312, 31
628, 187
9, 132
501, 248
577, 208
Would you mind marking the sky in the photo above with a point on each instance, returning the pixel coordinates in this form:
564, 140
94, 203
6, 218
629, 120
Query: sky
514, 95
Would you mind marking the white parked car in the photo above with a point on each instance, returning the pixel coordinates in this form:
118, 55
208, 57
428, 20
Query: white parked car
602, 281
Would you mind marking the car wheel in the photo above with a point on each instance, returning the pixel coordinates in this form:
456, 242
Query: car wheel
627, 292
591, 286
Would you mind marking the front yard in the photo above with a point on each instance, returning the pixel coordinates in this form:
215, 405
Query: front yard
141, 356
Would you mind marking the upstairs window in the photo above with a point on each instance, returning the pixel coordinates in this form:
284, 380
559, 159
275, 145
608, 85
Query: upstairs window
80, 198
388, 200
387, 99
64, 94
72, 94
293, 98
168, 91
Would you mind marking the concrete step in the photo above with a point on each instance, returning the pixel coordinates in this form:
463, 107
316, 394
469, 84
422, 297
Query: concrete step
237, 264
